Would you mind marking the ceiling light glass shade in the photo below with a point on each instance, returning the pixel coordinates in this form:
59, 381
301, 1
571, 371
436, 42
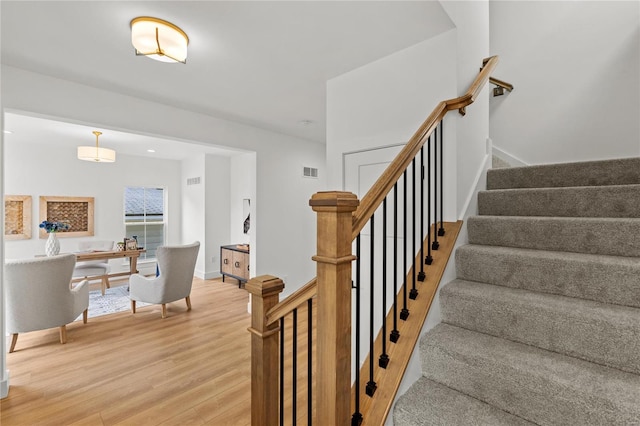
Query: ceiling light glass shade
95, 153
159, 40
99, 155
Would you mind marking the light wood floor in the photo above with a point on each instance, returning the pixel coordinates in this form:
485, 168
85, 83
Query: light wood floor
192, 368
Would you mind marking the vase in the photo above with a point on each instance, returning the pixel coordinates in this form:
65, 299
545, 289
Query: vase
52, 246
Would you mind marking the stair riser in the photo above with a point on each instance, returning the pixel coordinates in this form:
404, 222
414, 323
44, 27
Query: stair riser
600, 278
539, 386
614, 201
611, 172
541, 320
430, 403
616, 237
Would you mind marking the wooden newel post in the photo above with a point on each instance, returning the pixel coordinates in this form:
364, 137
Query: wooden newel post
264, 291
334, 257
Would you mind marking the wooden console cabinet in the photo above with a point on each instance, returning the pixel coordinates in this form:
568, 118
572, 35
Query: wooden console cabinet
234, 262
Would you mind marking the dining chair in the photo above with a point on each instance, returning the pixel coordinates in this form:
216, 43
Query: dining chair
94, 268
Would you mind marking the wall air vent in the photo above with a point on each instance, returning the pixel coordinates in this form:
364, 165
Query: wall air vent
310, 172
193, 181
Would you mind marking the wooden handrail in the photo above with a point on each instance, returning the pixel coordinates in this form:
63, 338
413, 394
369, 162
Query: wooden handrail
337, 212
294, 300
501, 83
385, 182
372, 200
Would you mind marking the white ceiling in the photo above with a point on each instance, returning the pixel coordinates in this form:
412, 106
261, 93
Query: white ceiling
263, 63
36, 130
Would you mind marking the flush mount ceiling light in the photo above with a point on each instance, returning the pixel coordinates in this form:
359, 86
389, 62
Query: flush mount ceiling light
159, 40
95, 153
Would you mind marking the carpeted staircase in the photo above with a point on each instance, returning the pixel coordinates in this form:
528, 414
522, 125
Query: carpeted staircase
542, 324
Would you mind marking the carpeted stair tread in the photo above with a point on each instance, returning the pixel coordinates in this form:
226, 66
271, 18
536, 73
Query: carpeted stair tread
607, 279
428, 403
543, 320
625, 171
607, 236
602, 333
587, 201
540, 386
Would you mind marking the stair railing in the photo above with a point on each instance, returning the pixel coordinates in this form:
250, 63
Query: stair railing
283, 346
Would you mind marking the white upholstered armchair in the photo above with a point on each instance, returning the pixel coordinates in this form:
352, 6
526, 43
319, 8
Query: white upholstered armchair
176, 265
39, 296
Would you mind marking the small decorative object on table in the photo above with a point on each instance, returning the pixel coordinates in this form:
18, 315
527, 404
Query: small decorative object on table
52, 246
120, 246
130, 244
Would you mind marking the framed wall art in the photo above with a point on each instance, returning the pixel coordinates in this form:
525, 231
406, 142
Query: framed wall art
17, 217
77, 212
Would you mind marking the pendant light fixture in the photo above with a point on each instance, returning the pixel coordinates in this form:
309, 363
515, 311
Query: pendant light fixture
95, 153
158, 39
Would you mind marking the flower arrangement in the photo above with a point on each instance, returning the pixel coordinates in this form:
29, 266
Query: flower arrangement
54, 226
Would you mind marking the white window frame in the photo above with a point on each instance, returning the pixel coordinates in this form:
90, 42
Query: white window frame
144, 257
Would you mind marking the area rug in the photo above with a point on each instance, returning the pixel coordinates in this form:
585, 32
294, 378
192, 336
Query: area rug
115, 299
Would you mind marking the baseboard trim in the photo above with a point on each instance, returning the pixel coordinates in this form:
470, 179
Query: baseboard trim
479, 184
505, 156
207, 275
4, 385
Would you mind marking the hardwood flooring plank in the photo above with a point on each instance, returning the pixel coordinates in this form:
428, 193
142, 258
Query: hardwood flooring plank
139, 369
186, 418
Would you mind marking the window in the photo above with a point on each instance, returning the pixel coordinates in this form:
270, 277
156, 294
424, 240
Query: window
144, 218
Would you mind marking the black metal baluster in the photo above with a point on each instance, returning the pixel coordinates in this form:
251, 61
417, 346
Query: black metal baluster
356, 418
395, 334
435, 244
294, 368
414, 291
441, 230
310, 362
384, 357
429, 259
371, 384
421, 275
282, 371
404, 314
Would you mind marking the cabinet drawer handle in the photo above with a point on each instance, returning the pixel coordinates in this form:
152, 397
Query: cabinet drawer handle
237, 264
225, 261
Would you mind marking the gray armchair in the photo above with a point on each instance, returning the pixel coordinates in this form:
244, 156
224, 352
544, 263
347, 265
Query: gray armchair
39, 295
176, 265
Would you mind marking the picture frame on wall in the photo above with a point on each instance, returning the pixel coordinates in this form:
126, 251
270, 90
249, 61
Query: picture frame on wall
77, 212
17, 217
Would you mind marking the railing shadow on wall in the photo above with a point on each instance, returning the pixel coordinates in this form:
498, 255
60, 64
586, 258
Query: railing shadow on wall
302, 347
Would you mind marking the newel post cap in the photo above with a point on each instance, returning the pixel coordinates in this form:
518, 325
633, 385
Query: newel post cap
264, 285
334, 201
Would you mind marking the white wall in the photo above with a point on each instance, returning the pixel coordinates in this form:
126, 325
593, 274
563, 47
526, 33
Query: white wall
471, 19
194, 207
206, 209
217, 216
575, 66
37, 169
4, 373
243, 186
283, 216
284, 244
385, 102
